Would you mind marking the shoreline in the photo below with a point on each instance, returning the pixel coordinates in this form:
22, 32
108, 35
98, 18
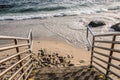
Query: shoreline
71, 29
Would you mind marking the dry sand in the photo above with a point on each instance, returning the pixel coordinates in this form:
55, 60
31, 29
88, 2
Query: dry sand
64, 49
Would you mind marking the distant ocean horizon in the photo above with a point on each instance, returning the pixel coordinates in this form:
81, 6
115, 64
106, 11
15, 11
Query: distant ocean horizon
39, 9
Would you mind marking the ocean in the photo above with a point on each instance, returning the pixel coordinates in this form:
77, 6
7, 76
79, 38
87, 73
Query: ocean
40, 9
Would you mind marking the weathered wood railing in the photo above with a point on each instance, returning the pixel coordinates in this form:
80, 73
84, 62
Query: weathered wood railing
16, 66
101, 60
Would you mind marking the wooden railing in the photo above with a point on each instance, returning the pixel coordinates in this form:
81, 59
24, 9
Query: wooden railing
17, 66
103, 60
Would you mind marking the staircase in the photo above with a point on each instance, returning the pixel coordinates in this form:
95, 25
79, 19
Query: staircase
24, 69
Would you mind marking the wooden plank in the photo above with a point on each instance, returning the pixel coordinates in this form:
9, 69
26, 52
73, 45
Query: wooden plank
11, 47
10, 57
12, 37
2, 73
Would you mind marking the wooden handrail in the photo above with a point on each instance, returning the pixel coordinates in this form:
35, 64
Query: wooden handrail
110, 56
11, 47
100, 35
90, 31
12, 37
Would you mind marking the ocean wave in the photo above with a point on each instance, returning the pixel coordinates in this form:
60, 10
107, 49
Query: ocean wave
29, 9
38, 15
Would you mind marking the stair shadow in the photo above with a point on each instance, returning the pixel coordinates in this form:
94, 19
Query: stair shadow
80, 74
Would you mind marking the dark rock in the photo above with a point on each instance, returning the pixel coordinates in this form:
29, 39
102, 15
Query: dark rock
116, 27
96, 23
71, 65
41, 52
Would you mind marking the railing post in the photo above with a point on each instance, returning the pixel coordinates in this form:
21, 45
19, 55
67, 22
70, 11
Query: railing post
30, 40
19, 57
92, 51
87, 33
111, 53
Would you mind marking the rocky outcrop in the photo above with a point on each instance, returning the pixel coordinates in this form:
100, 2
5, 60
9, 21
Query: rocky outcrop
116, 27
53, 60
96, 23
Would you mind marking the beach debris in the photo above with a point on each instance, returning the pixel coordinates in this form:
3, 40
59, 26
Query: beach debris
30, 79
48, 59
116, 27
82, 61
101, 77
96, 23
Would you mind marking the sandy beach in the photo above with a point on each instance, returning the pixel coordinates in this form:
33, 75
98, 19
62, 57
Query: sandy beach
71, 29
65, 35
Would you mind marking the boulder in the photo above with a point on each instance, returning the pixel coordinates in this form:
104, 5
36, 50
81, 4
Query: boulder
116, 27
96, 23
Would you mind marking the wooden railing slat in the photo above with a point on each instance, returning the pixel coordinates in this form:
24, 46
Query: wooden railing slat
115, 58
11, 78
10, 57
2, 73
101, 59
28, 73
114, 73
12, 37
102, 72
110, 57
115, 42
25, 71
11, 47
110, 34
114, 50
